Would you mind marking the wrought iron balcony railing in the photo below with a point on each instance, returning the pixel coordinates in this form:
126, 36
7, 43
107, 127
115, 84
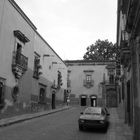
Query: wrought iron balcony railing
19, 60
88, 84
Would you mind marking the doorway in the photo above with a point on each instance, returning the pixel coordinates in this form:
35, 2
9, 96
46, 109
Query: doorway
42, 96
2, 87
83, 100
53, 99
93, 100
111, 97
1, 93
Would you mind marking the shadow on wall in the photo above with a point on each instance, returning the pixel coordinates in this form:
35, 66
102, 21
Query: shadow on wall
21, 100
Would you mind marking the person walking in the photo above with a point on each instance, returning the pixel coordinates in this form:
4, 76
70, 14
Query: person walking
68, 101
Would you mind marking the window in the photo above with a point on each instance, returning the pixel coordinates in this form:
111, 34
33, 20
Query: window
20, 39
18, 52
68, 79
19, 48
20, 59
59, 80
88, 81
88, 78
19, 62
42, 96
37, 66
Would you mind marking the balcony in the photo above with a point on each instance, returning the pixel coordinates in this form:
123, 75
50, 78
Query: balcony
125, 54
88, 84
20, 60
19, 64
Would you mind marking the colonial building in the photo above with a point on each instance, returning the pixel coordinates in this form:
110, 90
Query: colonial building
32, 75
52, 82
128, 40
92, 83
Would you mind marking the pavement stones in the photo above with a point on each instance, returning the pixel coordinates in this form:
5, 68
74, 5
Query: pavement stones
118, 130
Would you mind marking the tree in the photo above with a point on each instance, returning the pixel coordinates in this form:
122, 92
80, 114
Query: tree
102, 50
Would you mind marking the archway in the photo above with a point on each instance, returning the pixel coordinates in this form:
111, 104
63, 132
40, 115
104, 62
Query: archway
93, 100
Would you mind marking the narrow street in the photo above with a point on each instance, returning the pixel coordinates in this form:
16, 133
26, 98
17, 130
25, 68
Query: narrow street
62, 125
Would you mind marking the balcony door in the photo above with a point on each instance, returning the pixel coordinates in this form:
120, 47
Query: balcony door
18, 52
19, 48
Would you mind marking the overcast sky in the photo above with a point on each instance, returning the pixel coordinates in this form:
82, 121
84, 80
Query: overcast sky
70, 26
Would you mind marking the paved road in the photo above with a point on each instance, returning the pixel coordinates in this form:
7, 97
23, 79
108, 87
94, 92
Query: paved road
59, 126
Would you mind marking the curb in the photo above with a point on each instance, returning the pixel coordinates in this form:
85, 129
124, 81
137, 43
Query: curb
21, 118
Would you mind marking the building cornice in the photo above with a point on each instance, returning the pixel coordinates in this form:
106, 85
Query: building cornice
88, 62
20, 11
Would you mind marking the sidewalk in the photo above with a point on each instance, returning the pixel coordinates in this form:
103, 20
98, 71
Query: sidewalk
118, 130
20, 118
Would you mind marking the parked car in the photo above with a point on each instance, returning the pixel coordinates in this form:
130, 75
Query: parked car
94, 117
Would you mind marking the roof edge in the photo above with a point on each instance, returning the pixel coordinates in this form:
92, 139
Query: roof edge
20, 11
50, 46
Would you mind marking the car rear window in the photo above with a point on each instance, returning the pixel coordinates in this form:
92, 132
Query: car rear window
96, 111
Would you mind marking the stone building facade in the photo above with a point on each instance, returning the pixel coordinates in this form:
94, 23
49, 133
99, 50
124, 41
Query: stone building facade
128, 40
31, 72
89, 81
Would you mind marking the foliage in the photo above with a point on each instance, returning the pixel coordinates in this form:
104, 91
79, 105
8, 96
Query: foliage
102, 50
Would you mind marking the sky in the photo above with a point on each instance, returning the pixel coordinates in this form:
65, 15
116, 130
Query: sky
70, 26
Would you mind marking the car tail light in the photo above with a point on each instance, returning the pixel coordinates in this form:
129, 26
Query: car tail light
102, 122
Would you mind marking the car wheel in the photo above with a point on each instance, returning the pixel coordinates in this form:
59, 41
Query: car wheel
80, 127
